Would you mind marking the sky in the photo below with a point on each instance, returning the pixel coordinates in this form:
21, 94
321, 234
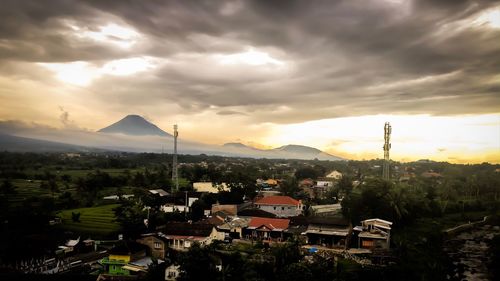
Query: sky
326, 74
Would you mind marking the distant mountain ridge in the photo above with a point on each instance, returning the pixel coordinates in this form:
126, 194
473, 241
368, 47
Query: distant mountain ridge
134, 125
291, 151
294, 148
135, 134
22, 144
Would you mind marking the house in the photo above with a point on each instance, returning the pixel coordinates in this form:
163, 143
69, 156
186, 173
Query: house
160, 192
248, 213
407, 176
324, 184
281, 206
431, 174
180, 202
139, 266
118, 197
121, 255
374, 234
229, 209
72, 244
214, 220
157, 244
272, 182
234, 228
182, 235
296, 227
328, 232
326, 210
266, 229
306, 183
172, 272
209, 187
268, 192
336, 175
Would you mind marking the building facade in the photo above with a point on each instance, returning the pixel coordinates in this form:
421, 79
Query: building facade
281, 206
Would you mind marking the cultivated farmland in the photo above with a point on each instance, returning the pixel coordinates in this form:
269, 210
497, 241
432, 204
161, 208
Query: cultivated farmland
94, 220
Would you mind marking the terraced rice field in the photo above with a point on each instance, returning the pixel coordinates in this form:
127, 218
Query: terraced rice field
31, 188
95, 221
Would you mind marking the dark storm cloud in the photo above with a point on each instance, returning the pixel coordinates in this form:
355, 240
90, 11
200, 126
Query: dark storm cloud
340, 57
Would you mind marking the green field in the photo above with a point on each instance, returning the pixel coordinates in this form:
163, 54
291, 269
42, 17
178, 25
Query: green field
93, 221
31, 188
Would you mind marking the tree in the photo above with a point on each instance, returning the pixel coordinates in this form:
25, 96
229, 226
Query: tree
198, 264
53, 186
306, 173
286, 253
66, 178
378, 198
232, 266
197, 210
296, 272
130, 215
345, 185
7, 187
289, 186
156, 271
75, 217
66, 200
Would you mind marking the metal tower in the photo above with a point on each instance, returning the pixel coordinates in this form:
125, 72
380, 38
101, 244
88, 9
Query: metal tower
175, 178
387, 147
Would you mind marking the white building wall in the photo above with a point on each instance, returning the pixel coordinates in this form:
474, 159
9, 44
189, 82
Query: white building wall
282, 210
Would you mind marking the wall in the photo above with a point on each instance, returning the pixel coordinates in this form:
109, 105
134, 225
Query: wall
281, 210
150, 242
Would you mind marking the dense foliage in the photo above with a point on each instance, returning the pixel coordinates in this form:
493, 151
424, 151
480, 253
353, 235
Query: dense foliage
36, 187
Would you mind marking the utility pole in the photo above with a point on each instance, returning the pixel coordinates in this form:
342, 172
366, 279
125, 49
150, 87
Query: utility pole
175, 177
387, 147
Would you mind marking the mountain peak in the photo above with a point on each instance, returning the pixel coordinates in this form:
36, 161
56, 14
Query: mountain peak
298, 149
235, 144
134, 116
135, 125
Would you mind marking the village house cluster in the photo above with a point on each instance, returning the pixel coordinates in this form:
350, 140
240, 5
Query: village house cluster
268, 220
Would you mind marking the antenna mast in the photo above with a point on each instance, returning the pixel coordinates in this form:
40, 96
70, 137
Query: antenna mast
175, 178
387, 147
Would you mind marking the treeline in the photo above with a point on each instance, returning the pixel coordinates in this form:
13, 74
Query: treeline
260, 262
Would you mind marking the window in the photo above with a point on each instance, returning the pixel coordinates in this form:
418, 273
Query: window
282, 208
366, 244
274, 208
157, 245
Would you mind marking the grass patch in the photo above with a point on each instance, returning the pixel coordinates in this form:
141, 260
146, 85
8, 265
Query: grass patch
95, 221
31, 188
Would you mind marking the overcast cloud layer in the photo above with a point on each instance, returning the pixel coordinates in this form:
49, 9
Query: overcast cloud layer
256, 62
336, 58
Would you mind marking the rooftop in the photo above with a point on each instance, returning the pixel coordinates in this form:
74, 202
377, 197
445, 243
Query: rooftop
270, 223
278, 200
256, 213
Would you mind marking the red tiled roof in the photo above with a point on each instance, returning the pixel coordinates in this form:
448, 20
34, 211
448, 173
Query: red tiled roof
277, 200
269, 223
